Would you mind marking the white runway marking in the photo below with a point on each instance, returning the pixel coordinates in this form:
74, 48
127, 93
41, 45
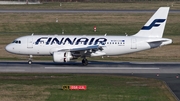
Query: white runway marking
113, 68
11, 70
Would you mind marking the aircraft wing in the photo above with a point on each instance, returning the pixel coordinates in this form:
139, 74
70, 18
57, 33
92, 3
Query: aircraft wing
96, 47
95, 50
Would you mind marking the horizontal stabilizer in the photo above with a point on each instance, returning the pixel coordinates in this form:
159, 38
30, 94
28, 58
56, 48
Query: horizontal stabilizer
154, 43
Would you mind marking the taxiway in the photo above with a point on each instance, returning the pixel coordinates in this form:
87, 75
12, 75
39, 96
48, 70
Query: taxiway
93, 67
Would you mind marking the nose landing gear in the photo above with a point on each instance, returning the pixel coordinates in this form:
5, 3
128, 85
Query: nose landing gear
30, 59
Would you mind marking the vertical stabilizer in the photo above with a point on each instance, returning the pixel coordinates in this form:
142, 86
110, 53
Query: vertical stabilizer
155, 25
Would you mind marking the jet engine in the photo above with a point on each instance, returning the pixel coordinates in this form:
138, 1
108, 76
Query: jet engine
62, 56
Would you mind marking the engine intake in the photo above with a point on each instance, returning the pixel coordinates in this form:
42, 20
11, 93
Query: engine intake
62, 56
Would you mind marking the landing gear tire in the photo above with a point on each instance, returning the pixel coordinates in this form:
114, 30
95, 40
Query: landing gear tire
30, 62
84, 62
30, 59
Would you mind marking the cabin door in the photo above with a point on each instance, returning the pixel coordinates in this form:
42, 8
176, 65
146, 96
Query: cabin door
30, 42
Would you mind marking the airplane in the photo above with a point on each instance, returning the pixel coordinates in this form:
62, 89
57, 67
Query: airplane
64, 48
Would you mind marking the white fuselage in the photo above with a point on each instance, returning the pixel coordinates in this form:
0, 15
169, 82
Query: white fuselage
112, 45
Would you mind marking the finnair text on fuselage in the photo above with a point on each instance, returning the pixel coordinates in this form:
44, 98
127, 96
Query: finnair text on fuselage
74, 41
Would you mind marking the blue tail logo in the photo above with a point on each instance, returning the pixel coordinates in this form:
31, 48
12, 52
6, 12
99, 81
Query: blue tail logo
153, 24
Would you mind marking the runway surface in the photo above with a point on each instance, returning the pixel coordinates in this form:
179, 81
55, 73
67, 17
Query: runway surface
77, 11
93, 67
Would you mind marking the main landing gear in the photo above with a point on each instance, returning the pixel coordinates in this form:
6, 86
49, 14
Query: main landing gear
84, 62
30, 59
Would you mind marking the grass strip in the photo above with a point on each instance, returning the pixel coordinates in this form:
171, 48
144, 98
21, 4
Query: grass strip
47, 87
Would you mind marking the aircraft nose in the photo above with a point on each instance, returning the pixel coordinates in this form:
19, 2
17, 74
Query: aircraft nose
9, 48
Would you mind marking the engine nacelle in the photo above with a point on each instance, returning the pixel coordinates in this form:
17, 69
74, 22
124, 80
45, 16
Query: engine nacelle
62, 56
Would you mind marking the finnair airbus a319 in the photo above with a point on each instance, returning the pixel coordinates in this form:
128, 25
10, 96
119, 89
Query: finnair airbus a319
64, 48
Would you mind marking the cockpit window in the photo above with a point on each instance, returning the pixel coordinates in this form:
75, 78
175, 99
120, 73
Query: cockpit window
17, 41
